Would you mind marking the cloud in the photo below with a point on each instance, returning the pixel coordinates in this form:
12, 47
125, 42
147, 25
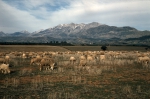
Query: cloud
13, 19
33, 15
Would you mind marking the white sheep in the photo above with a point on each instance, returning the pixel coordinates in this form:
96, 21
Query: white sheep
102, 57
91, 59
5, 68
72, 60
82, 57
24, 55
83, 61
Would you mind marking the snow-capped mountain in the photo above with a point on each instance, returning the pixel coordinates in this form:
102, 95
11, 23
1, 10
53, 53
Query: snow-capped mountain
81, 33
66, 29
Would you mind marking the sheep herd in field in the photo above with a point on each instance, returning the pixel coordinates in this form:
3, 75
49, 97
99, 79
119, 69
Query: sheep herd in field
50, 59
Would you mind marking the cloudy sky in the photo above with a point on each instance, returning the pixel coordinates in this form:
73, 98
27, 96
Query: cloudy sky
33, 15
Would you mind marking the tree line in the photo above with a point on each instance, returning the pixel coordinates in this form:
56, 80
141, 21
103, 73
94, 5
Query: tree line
54, 43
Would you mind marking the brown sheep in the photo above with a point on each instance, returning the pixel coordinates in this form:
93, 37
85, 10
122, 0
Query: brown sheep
47, 62
2, 60
83, 63
35, 60
144, 59
5, 60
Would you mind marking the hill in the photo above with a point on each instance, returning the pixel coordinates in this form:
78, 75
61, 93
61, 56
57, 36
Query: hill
92, 33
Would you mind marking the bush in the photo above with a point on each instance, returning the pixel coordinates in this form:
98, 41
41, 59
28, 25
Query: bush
104, 48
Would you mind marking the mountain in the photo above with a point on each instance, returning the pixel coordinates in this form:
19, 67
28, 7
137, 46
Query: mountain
2, 34
65, 30
20, 34
82, 33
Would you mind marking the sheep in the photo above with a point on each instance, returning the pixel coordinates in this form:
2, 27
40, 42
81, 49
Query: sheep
72, 60
2, 54
102, 57
35, 60
2, 60
91, 59
144, 59
83, 61
7, 58
17, 54
82, 57
24, 55
5, 68
47, 62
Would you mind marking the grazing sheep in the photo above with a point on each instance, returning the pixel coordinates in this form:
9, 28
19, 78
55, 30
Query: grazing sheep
5, 60
72, 60
82, 57
47, 62
5, 68
2, 60
24, 55
2, 54
83, 61
102, 57
35, 60
144, 59
17, 54
90, 59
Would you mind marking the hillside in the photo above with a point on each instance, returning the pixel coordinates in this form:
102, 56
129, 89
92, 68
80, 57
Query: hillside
92, 33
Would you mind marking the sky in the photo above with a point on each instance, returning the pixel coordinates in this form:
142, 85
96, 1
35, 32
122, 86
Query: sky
34, 15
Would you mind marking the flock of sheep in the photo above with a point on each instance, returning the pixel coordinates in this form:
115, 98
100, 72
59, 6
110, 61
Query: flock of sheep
79, 58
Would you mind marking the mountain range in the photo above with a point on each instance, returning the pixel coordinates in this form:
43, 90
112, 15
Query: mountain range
92, 33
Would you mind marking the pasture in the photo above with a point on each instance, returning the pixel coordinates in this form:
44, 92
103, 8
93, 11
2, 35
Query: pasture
120, 75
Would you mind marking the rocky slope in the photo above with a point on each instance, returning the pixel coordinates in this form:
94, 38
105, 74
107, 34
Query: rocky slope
81, 33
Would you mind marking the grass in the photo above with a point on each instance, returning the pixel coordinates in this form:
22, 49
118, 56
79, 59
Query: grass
110, 48
120, 78
28, 48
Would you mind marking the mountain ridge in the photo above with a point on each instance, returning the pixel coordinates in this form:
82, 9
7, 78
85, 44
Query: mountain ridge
81, 33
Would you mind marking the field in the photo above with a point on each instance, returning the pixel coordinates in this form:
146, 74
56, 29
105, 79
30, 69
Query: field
120, 76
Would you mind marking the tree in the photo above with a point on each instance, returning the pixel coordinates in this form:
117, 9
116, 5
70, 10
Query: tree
146, 48
104, 48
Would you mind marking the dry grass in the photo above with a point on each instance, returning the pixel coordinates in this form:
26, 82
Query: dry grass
110, 48
115, 78
28, 48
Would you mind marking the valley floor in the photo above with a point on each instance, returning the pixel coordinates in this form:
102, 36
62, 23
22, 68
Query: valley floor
120, 76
